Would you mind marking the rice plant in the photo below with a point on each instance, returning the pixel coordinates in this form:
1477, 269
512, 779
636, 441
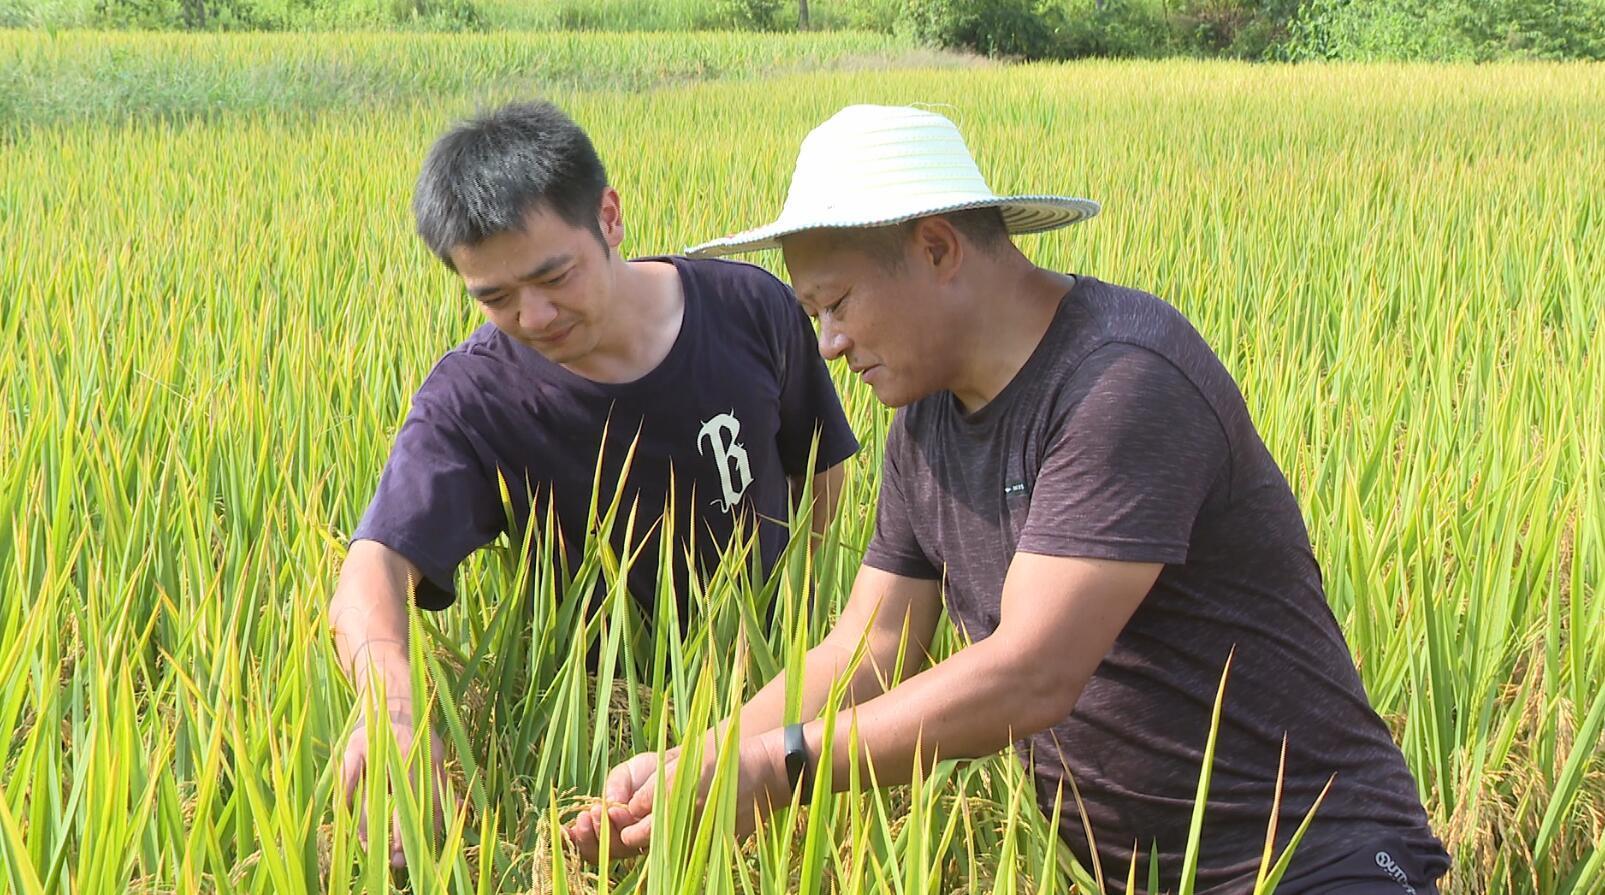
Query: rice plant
212, 327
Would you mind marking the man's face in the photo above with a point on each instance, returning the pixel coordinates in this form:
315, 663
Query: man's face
550, 285
888, 323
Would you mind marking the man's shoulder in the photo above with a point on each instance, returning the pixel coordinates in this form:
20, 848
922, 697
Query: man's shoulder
1101, 328
485, 347
729, 271
732, 287
470, 373
1108, 312
914, 425
1139, 342
745, 304
485, 343
1105, 319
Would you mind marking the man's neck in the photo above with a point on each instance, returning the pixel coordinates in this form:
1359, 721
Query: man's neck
643, 323
1012, 303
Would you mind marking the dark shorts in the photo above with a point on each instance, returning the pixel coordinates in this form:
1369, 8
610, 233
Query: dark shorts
1386, 866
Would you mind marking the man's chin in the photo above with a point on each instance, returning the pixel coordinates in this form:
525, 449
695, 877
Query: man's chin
894, 397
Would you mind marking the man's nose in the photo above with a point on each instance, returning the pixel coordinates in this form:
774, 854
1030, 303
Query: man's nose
833, 343
535, 313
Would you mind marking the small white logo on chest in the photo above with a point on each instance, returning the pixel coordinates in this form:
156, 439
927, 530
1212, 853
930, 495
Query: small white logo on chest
1014, 489
728, 455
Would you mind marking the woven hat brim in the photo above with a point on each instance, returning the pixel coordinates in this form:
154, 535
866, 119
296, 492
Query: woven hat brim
1021, 215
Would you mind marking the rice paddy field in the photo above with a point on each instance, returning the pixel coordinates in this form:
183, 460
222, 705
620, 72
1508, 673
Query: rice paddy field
215, 312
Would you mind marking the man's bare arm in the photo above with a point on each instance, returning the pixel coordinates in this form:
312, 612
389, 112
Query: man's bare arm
1060, 617
889, 614
368, 615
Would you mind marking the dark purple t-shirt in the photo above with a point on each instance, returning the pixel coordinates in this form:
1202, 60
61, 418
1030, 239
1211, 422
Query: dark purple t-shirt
731, 411
1123, 437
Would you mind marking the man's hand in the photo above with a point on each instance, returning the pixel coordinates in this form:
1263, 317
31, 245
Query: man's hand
355, 765
623, 782
631, 790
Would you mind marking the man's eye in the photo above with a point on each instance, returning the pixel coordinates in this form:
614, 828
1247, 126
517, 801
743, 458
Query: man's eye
493, 301
560, 278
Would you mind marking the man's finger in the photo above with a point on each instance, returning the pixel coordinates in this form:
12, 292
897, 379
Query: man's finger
588, 838
628, 777
635, 838
619, 818
640, 804
582, 827
398, 855
351, 769
620, 784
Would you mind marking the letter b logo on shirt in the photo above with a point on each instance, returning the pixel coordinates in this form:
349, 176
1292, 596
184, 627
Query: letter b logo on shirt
728, 455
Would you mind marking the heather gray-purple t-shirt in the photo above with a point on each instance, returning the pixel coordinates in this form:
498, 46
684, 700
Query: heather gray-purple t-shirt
1123, 437
730, 412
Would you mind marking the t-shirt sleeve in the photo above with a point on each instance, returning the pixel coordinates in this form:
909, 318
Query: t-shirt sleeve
1132, 463
436, 503
809, 404
893, 547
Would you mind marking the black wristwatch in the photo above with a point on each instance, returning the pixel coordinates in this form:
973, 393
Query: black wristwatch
799, 768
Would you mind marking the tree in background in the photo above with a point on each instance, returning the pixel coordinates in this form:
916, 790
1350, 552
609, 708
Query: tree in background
1240, 29
755, 15
1023, 28
1475, 30
1467, 30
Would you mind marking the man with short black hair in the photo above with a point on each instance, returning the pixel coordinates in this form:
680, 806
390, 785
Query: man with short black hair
1075, 473
704, 374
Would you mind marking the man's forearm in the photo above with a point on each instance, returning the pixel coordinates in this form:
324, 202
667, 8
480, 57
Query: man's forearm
822, 667
382, 664
369, 618
1060, 618
973, 704
766, 710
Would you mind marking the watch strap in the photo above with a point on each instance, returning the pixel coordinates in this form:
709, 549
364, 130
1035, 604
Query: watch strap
799, 766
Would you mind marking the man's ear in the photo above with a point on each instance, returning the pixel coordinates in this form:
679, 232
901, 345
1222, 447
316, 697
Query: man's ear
936, 244
610, 218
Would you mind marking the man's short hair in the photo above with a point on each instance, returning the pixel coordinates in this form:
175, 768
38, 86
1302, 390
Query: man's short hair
888, 245
487, 173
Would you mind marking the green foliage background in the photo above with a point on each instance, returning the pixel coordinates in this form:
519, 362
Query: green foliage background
216, 313
1444, 30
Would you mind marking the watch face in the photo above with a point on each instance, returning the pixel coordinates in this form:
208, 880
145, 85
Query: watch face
796, 761
796, 755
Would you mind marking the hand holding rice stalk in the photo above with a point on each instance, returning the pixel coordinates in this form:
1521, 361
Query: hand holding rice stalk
361, 752
631, 794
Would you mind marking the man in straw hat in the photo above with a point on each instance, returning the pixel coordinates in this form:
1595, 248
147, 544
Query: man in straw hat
1075, 473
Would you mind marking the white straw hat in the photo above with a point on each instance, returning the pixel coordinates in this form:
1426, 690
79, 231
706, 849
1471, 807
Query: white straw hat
871, 166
